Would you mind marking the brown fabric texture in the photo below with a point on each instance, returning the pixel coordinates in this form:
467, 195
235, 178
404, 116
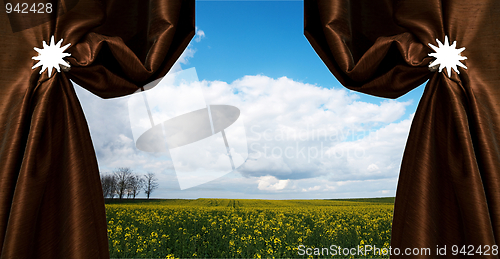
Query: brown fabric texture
449, 188
51, 202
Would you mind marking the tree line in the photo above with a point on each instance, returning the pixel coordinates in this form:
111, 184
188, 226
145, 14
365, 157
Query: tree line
124, 182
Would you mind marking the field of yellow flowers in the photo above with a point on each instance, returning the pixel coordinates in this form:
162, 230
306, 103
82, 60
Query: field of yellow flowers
223, 228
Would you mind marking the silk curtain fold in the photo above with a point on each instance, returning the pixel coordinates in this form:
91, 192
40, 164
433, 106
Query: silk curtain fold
449, 184
51, 203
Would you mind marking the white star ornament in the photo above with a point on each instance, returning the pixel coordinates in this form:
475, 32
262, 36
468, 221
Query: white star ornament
51, 56
447, 56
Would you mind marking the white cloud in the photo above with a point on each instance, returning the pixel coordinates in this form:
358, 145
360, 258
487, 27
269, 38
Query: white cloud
315, 188
199, 35
270, 183
188, 53
372, 167
302, 138
112, 136
299, 131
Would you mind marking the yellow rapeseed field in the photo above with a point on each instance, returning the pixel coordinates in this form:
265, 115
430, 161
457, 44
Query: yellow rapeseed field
220, 228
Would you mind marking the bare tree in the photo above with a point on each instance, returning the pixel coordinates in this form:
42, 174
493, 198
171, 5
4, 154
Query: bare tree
135, 185
112, 191
150, 183
122, 177
108, 184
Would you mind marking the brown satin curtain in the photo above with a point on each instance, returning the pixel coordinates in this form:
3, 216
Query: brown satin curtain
449, 184
51, 203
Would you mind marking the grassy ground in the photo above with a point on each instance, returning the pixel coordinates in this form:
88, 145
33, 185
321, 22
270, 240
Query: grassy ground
222, 228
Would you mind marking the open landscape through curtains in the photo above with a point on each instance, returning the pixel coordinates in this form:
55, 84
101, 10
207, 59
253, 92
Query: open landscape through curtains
449, 187
51, 203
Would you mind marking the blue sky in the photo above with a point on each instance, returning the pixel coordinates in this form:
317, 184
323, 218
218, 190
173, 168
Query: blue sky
254, 55
262, 37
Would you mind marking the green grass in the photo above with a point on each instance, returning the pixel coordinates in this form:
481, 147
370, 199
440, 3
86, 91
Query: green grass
243, 228
371, 200
245, 202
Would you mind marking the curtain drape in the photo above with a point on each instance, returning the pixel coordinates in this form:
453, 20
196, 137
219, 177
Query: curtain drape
51, 203
449, 188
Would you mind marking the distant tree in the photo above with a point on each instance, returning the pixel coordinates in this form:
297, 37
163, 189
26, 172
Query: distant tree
112, 192
135, 184
150, 183
108, 184
123, 177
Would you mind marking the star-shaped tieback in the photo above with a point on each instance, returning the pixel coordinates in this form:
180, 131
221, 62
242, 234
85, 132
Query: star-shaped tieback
447, 56
51, 56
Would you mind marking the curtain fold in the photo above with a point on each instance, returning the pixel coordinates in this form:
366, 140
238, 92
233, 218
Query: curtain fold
51, 203
448, 190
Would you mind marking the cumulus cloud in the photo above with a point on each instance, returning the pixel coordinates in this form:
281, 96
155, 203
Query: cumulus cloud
112, 137
299, 131
315, 188
199, 35
372, 167
188, 53
301, 138
271, 183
